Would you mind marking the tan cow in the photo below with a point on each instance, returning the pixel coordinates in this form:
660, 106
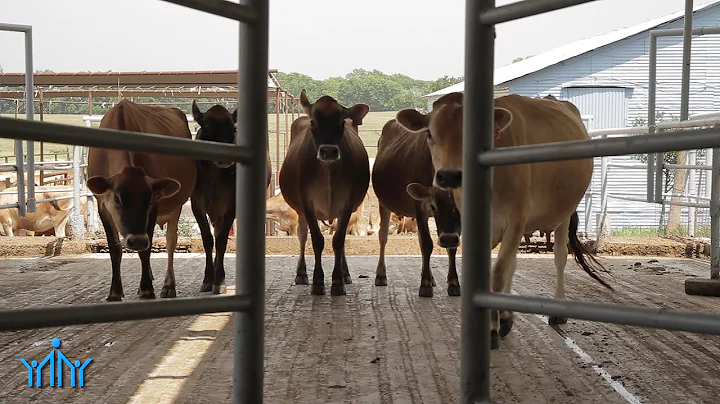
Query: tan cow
525, 197
278, 210
402, 179
48, 216
137, 190
404, 224
354, 225
325, 176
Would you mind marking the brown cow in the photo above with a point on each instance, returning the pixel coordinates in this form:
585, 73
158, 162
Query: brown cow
48, 216
278, 210
137, 190
525, 197
402, 224
325, 175
403, 159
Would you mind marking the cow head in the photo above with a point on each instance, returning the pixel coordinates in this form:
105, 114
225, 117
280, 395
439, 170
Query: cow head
217, 124
130, 197
328, 124
444, 128
444, 210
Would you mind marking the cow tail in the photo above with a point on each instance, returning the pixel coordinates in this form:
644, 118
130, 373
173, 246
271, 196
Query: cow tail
579, 252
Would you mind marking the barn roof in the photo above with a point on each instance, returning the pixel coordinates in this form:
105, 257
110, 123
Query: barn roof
565, 52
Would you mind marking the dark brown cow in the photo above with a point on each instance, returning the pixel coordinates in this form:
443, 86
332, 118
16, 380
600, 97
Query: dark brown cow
136, 190
325, 176
214, 193
402, 179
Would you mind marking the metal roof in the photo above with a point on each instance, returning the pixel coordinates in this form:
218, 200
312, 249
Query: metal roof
565, 52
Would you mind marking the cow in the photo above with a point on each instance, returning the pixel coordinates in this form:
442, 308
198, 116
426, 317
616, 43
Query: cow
354, 225
545, 234
401, 176
136, 190
48, 216
402, 224
325, 176
525, 197
278, 210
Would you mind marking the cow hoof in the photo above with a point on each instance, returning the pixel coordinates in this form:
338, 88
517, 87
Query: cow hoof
219, 289
453, 290
168, 291
147, 294
506, 325
426, 291
206, 287
337, 290
494, 339
114, 298
301, 280
348, 279
381, 280
317, 289
555, 320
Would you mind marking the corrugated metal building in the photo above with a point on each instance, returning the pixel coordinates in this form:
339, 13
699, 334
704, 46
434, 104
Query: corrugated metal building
606, 76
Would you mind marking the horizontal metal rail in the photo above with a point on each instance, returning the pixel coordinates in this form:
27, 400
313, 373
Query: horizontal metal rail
55, 316
10, 206
11, 128
220, 8
618, 146
687, 166
668, 203
527, 8
15, 27
676, 320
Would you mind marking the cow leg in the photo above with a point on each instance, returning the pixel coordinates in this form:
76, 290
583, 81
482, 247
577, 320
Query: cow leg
60, 227
207, 239
8, 230
301, 277
426, 246
222, 232
503, 272
346, 270
113, 240
338, 243
171, 236
381, 271
146, 286
452, 278
318, 243
560, 251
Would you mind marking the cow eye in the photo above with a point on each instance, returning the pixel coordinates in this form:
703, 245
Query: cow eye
117, 200
429, 135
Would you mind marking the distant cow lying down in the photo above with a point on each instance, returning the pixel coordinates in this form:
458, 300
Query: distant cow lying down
354, 225
48, 216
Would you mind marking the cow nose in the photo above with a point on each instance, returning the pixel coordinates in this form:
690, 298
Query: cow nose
448, 178
328, 153
449, 240
137, 242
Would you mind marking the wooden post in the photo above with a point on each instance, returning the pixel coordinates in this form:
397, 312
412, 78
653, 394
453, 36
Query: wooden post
42, 148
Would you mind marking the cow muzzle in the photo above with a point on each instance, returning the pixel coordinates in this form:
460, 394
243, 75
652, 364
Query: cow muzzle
448, 178
137, 242
449, 240
328, 153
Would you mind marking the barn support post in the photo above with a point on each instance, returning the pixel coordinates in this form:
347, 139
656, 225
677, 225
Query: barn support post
92, 225
252, 133
77, 222
30, 115
603, 199
685, 101
654, 163
477, 199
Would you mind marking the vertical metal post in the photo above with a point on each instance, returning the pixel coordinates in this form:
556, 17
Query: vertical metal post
715, 216
30, 115
92, 214
691, 190
250, 206
656, 159
77, 223
685, 100
603, 195
20, 170
477, 200
708, 178
588, 210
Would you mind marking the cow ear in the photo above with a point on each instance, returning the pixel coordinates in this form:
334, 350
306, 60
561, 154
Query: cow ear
418, 192
503, 118
412, 119
357, 112
164, 188
197, 115
98, 185
305, 102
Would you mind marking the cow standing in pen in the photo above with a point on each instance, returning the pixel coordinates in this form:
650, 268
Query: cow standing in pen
525, 197
325, 176
402, 180
136, 190
214, 193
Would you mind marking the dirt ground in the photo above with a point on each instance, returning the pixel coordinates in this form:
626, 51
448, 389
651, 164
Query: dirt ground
375, 345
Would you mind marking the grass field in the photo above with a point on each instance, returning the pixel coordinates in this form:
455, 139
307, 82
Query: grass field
369, 131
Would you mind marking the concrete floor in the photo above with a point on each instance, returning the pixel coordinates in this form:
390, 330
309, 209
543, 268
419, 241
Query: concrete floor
375, 345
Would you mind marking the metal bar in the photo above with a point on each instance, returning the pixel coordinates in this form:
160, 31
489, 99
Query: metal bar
54, 190
30, 116
669, 203
701, 323
522, 9
123, 140
15, 27
20, 165
653, 188
659, 164
686, 58
222, 8
9, 206
715, 217
76, 314
252, 134
713, 30
603, 195
688, 166
476, 203
77, 221
619, 146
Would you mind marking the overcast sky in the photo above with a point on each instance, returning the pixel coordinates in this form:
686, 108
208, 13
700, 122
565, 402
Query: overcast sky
321, 38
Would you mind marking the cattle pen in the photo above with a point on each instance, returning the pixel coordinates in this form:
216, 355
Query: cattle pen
650, 341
